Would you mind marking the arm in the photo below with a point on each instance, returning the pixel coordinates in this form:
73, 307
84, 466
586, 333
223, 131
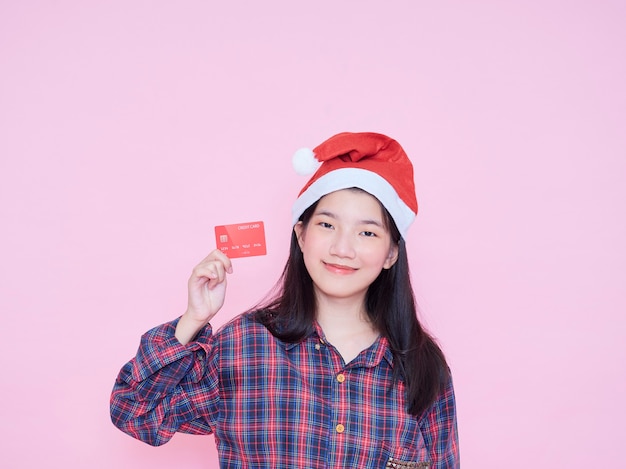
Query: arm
171, 385
439, 428
167, 387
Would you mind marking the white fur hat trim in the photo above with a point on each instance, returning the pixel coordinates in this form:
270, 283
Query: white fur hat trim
369, 181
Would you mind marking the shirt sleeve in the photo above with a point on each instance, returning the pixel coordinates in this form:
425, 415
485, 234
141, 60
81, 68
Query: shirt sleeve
439, 428
167, 387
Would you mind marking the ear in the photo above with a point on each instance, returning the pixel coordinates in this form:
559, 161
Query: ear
298, 228
392, 257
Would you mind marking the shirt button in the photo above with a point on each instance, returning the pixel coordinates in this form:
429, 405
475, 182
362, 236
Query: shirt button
341, 377
317, 346
340, 428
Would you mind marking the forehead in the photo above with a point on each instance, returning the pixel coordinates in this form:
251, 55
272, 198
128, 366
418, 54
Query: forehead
351, 201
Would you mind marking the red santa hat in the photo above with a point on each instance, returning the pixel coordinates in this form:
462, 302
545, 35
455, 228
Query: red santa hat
370, 161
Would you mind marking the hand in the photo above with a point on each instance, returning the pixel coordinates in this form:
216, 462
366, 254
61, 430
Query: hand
206, 293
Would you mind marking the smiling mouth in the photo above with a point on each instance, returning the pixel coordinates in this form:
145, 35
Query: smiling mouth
339, 269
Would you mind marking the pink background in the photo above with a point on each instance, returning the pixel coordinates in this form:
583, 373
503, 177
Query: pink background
128, 129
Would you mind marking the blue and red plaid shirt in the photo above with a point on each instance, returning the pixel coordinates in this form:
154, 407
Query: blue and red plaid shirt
272, 404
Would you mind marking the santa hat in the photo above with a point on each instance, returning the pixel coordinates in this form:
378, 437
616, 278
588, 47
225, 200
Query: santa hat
370, 161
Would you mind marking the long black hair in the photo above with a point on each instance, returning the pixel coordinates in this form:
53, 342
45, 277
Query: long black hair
390, 303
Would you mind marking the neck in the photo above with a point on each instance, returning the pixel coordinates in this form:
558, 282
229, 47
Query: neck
344, 318
346, 326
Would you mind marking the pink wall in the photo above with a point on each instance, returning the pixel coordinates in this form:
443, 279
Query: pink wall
128, 129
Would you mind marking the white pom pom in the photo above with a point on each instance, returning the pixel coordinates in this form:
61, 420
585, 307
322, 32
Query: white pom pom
304, 162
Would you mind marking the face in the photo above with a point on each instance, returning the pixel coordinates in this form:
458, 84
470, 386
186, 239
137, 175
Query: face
346, 244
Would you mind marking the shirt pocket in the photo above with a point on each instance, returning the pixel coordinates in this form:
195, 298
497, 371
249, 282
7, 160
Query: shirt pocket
394, 463
406, 457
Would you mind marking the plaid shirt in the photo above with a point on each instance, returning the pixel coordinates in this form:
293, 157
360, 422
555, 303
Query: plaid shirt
272, 404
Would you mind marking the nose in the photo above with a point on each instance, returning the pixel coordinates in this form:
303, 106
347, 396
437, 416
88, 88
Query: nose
342, 245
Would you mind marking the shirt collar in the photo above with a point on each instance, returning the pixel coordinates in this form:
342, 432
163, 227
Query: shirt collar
378, 351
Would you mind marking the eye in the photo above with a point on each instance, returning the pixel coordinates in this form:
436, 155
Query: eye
368, 234
324, 224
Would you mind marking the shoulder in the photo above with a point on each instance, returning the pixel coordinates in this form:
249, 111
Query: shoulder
245, 346
244, 328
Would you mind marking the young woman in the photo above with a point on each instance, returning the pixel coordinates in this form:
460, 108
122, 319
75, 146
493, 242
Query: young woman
335, 370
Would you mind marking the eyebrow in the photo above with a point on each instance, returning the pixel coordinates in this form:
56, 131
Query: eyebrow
377, 223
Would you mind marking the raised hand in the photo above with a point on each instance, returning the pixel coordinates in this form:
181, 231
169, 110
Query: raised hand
206, 293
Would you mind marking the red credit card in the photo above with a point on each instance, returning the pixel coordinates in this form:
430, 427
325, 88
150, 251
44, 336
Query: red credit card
241, 239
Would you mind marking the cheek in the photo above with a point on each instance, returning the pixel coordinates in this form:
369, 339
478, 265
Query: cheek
377, 257
310, 242
311, 262
306, 247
